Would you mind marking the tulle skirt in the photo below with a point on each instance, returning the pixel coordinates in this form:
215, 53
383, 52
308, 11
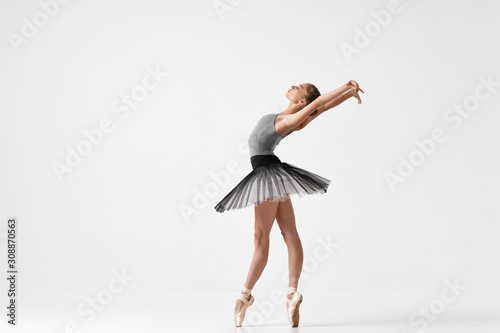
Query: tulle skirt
272, 180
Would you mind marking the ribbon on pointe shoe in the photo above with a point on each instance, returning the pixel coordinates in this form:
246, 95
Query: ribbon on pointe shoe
243, 295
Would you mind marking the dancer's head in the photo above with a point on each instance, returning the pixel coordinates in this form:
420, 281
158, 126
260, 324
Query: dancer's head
302, 94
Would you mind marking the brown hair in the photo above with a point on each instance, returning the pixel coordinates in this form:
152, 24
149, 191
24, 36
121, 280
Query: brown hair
311, 94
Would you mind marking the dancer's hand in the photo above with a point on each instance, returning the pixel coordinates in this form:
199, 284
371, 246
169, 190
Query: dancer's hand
354, 93
354, 85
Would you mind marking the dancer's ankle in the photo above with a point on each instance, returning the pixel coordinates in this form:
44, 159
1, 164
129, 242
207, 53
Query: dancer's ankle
246, 292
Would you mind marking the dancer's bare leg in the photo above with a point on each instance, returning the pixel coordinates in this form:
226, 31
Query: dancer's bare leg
286, 221
265, 214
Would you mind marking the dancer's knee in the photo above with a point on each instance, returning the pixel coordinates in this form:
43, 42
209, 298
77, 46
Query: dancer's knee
261, 239
290, 237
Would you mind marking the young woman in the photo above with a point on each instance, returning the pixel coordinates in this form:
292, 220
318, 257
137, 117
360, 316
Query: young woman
271, 182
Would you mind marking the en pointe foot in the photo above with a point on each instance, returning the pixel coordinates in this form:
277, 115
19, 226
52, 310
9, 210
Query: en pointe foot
242, 304
293, 302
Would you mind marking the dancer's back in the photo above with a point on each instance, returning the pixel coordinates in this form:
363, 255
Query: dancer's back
264, 138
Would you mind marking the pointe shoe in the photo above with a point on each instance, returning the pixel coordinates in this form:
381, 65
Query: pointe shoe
239, 316
293, 308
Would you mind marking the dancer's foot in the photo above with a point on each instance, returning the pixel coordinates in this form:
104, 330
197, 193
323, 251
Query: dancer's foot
245, 299
240, 303
293, 301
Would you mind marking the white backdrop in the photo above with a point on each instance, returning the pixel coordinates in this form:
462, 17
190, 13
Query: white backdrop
121, 122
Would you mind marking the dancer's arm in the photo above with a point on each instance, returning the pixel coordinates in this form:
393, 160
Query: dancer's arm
339, 100
325, 107
319, 103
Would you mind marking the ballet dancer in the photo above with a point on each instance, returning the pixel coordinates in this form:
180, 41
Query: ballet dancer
271, 182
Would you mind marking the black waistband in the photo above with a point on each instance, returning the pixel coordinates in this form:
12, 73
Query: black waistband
263, 160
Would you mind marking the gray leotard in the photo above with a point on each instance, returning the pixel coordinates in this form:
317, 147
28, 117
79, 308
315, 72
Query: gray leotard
264, 137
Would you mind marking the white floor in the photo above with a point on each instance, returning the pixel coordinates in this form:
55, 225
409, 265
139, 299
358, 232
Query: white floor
340, 312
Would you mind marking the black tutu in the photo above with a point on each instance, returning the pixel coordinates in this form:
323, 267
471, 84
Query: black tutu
274, 180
